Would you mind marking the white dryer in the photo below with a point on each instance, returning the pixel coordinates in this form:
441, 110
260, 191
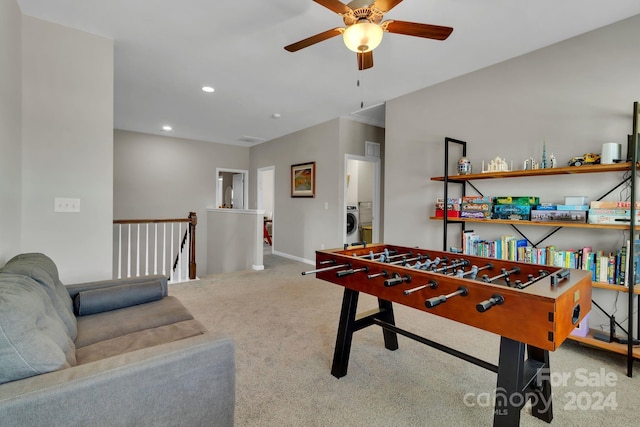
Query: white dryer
353, 224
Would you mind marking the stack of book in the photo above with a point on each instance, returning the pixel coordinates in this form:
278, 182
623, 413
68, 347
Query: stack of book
605, 267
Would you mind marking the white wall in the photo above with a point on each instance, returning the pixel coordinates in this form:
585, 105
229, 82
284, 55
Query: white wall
10, 129
67, 147
267, 192
576, 95
164, 177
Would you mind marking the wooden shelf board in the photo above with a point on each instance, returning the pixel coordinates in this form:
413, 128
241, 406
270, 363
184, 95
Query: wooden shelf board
538, 223
608, 346
539, 172
617, 288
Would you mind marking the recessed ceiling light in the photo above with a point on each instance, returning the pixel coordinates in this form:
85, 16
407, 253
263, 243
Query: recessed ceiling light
276, 115
208, 89
167, 128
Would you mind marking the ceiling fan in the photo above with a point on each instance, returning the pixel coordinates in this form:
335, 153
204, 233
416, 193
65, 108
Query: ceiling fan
364, 28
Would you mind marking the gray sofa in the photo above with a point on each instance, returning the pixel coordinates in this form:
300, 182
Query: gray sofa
109, 353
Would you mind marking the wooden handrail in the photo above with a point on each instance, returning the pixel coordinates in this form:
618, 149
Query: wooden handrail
152, 221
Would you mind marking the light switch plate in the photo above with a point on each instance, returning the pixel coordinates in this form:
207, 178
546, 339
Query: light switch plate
63, 204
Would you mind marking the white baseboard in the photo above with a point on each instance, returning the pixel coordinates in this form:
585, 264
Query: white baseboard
257, 267
295, 258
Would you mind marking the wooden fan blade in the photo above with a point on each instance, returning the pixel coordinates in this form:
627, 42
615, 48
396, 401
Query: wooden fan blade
365, 60
385, 5
419, 30
314, 39
335, 5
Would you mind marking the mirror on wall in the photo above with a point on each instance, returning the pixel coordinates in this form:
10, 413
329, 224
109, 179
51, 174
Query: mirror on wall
232, 189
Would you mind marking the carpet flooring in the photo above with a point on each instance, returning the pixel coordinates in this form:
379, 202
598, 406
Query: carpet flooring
284, 326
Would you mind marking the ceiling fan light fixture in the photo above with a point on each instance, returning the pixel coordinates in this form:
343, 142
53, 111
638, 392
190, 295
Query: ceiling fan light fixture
362, 36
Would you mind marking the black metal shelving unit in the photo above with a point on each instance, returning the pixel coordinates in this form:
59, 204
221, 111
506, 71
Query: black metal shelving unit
627, 349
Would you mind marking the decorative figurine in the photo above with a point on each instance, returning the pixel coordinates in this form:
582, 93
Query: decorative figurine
497, 165
543, 164
464, 166
552, 158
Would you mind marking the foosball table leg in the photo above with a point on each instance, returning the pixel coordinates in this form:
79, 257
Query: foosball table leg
386, 315
350, 323
346, 328
542, 408
519, 380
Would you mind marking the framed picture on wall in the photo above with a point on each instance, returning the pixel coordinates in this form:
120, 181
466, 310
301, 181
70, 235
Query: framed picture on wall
303, 180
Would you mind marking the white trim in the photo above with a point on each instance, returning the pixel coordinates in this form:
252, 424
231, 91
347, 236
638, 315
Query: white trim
257, 267
295, 258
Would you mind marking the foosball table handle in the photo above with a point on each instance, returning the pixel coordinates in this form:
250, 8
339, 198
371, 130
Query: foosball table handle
496, 299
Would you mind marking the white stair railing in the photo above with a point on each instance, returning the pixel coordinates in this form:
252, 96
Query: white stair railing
155, 246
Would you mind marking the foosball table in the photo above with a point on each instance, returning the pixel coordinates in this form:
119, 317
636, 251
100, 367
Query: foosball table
532, 307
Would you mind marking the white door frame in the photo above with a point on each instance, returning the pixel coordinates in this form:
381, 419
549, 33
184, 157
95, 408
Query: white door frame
260, 195
375, 203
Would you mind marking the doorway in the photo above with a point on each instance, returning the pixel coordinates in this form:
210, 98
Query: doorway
362, 198
232, 188
266, 201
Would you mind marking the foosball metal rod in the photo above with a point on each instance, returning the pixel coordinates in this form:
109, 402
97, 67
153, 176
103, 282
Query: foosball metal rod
474, 270
454, 264
404, 261
432, 302
432, 285
431, 264
320, 270
387, 259
343, 273
532, 279
372, 255
505, 274
383, 273
436, 262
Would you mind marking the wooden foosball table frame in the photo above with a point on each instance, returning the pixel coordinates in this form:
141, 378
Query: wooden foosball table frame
532, 307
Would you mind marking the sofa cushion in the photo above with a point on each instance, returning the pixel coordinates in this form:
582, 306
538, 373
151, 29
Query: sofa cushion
33, 338
115, 297
139, 340
43, 270
112, 324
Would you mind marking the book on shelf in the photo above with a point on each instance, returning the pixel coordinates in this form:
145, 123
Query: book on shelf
635, 265
605, 267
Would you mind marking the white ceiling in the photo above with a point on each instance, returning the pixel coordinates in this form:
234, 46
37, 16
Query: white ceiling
166, 50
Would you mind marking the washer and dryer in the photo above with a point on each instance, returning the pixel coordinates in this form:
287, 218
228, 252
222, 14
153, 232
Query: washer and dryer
353, 224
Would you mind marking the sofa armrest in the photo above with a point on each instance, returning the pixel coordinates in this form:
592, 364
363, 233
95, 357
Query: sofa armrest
186, 382
76, 288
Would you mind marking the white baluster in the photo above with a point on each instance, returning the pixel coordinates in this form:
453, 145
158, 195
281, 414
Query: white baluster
129, 253
138, 252
146, 252
119, 251
164, 248
179, 252
171, 256
155, 252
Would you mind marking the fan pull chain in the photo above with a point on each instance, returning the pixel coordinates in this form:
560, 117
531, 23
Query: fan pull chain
361, 90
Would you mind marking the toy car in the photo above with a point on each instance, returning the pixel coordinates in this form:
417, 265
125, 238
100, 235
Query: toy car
585, 159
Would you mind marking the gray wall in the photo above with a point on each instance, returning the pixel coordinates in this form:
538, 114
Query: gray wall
165, 177
57, 127
303, 225
576, 95
10, 129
